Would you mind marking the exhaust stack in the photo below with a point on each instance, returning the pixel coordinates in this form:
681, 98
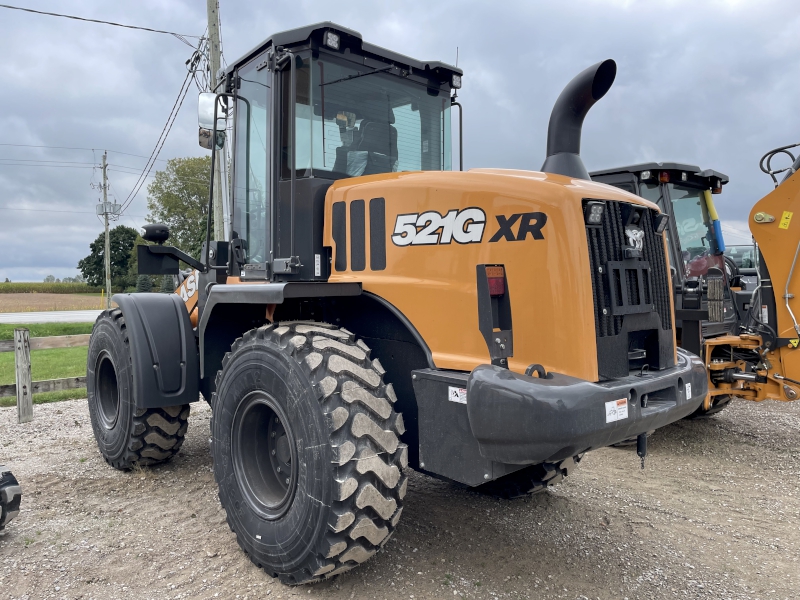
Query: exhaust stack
566, 120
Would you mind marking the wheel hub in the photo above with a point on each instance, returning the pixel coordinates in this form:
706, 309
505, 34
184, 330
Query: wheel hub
106, 390
263, 455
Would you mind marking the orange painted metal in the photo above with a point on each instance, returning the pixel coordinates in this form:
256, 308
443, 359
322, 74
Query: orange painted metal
434, 286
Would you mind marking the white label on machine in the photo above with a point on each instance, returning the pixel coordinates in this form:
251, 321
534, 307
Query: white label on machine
317, 265
764, 314
457, 394
688, 390
616, 410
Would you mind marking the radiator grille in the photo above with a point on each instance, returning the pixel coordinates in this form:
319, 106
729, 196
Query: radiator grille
607, 245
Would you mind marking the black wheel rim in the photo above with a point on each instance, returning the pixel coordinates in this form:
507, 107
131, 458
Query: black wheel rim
106, 390
263, 455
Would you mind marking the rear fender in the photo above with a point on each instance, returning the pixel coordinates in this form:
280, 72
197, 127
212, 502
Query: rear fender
166, 367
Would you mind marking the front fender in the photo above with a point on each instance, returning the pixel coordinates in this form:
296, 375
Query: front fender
164, 357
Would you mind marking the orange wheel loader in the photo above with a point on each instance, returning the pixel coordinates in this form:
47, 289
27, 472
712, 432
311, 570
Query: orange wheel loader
371, 309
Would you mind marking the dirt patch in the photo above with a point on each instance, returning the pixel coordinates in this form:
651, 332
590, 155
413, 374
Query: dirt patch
716, 514
46, 302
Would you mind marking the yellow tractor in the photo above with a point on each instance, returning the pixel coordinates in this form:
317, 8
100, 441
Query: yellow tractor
370, 309
748, 341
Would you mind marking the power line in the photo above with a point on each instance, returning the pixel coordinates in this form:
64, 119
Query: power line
76, 148
179, 36
79, 212
176, 107
54, 166
36, 160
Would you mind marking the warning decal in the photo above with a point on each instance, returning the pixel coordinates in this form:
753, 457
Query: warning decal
457, 394
616, 410
793, 342
688, 390
785, 220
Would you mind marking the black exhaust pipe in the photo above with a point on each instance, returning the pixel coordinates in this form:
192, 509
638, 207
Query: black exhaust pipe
566, 120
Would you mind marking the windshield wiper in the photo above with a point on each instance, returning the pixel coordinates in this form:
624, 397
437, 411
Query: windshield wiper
357, 76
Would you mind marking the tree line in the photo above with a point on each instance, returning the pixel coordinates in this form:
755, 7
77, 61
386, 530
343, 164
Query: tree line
177, 197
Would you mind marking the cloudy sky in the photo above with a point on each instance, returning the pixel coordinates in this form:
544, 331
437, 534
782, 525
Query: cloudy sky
712, 83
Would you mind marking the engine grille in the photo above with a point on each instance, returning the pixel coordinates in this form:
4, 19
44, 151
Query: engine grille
645, 287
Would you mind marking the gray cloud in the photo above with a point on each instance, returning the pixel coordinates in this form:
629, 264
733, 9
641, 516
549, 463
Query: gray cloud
713, 83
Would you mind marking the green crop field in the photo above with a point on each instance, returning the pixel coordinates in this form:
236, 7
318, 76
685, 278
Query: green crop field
37, 287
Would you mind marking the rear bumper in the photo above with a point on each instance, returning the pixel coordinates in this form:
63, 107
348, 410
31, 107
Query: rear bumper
523, 420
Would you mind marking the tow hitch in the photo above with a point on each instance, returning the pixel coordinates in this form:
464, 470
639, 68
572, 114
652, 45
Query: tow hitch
641, 446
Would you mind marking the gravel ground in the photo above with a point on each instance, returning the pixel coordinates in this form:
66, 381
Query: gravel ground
715, 514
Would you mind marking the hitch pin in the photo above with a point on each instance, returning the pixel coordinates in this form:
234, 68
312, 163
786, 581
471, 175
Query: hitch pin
641, 446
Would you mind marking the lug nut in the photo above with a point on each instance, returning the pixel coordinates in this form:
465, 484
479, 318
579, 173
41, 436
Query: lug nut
279, 469
273, 453
287, 481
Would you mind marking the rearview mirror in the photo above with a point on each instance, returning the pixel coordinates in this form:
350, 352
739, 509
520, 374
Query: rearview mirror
205, 111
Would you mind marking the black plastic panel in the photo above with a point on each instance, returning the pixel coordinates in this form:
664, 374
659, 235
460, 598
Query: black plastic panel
339, 229
358, 242
377, 234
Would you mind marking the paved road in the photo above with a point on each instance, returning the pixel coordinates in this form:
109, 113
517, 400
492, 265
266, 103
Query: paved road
56, 316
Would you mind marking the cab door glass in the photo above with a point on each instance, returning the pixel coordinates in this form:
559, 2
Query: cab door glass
251, 196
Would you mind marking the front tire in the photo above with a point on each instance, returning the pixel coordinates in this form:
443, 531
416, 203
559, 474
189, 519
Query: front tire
306, 450
126, 435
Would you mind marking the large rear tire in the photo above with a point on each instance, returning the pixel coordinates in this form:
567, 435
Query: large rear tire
306, 450
126, 435
530, 480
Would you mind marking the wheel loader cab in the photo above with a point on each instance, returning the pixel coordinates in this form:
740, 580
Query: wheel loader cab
311, 115
373, 310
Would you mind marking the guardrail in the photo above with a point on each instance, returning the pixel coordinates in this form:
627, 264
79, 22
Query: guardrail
24, 388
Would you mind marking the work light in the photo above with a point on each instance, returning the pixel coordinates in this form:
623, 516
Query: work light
644, 175
593, 213
456, 81
660, 223
332, 40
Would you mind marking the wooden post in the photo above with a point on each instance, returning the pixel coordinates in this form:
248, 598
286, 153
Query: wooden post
22, 367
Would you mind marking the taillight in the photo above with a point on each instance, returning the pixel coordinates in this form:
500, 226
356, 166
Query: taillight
496, 277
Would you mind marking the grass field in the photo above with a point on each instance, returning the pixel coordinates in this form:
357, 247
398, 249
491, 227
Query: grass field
47, 364
45, 329
45, 302
56, 363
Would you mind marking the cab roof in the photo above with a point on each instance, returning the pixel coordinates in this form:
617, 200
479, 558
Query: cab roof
351, 41
664, 166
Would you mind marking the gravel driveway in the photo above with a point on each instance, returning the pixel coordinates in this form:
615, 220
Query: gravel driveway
715, 514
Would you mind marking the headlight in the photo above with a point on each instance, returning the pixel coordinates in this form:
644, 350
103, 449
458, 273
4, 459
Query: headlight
593, 212
660, 223
455, 82
332, 40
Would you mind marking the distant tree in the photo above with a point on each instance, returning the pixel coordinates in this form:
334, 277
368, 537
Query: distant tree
144, 284
122, 239
133, 267
7, 280
50, 279
77, 279
167, 284
178, 197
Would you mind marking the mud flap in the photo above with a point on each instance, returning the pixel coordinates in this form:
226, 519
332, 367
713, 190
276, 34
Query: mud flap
166, 367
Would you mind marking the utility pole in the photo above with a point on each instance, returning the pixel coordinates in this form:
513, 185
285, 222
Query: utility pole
107, 209
108, 241
214, 59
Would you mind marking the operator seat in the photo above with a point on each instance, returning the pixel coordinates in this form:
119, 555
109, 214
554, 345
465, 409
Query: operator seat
379, 139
